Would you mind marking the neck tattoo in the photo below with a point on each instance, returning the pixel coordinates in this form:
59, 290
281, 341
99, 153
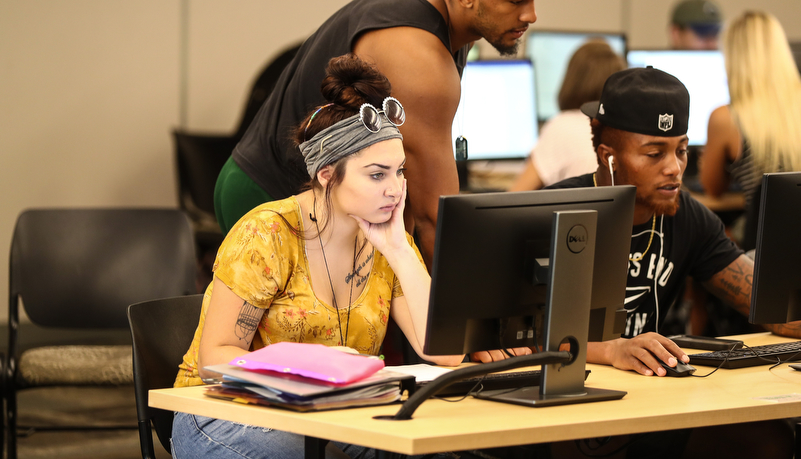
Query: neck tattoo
343, 339
653, 229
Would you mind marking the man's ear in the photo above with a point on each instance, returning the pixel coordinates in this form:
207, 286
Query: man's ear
604, 153
324, 175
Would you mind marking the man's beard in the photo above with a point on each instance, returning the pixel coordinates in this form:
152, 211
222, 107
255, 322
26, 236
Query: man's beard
661, 208
485, 27
505, 50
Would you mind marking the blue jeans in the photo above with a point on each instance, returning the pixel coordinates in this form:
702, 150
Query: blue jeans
198, 436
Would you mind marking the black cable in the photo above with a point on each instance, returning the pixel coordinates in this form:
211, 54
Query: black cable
467, 394
432, 387
778, 360
725, 359
788, 359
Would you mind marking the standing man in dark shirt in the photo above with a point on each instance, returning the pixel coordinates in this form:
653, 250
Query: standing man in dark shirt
421, 46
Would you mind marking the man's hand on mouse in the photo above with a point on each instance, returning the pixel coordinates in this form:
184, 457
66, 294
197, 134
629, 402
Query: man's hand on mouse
643, 354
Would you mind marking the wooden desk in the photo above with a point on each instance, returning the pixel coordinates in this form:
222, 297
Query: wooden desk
727, 202
652, 404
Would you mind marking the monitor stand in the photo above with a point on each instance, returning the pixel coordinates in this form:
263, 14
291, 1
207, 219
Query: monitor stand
567, 317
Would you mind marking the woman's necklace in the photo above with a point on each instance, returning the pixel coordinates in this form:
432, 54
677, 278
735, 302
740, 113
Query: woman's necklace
653, 229
343, 340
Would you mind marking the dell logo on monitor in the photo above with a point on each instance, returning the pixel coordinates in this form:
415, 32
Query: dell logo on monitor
577, 238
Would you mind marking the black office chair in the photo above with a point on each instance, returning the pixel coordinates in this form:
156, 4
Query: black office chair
200, 157
79, 269
752, 220
162, 331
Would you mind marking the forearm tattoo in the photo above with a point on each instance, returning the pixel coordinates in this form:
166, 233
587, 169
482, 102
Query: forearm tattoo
733, 285
247, 322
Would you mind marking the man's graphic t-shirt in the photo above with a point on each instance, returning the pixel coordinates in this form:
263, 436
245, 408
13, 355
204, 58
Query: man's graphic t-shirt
690, 243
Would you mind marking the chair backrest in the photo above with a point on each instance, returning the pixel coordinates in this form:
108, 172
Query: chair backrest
200, 159
162, 331
81, 268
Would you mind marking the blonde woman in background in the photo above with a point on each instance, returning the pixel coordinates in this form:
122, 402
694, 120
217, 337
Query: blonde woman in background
760, 131
565, 147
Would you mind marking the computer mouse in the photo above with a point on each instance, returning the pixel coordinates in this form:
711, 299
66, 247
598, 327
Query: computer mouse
681, 369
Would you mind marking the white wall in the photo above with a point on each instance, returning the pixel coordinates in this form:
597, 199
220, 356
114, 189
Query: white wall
90, 89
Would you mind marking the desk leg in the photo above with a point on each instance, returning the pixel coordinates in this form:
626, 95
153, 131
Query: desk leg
314, 448
798, 439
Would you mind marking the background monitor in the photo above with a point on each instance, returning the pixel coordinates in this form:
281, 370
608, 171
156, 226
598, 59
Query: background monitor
550, 51
482, 293
704, 75
497, 111
776, 295
796, 49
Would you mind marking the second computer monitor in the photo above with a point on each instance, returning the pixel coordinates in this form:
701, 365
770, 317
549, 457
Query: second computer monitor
776, 296
488, 288
550, 51
704, 75
497, 110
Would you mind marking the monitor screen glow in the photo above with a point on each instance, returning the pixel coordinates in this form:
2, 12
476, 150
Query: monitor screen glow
497, 110
550, 52
704, 75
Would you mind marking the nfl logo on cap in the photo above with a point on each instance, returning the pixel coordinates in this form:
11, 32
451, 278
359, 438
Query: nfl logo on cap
665, 122
634, 98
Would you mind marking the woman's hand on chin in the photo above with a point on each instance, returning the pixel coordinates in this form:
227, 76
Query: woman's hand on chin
389, 235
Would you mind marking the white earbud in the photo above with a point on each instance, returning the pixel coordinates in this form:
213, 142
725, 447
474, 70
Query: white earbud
611, 161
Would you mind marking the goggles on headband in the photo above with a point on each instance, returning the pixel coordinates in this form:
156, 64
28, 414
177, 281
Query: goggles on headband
391, 108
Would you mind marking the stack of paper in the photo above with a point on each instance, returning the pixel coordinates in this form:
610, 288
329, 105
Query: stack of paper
308, 377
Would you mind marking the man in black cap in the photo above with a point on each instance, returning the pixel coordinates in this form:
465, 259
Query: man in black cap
639, 129
640, 137
695, 24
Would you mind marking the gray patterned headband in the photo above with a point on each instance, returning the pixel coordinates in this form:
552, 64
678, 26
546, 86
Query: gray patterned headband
351, 135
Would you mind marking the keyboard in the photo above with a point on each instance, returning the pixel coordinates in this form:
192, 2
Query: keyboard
751, 356
492, 381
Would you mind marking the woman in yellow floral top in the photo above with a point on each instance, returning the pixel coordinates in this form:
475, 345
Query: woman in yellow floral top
328, 266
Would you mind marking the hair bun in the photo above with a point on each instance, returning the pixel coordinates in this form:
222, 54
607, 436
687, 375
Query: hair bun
351, 82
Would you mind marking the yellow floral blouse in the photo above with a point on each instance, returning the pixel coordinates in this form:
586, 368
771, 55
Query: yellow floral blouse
264, 263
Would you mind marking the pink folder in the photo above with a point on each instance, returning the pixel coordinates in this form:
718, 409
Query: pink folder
314, 361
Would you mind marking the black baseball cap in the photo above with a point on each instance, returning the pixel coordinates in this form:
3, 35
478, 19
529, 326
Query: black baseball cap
643, 100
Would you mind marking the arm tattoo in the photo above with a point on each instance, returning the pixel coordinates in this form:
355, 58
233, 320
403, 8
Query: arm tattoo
733, 284
248, 321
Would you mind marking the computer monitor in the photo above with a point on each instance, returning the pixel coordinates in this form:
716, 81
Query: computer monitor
796, 49
704, 75
497, 111
484, 255
776, 295
550, 51
504, 273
